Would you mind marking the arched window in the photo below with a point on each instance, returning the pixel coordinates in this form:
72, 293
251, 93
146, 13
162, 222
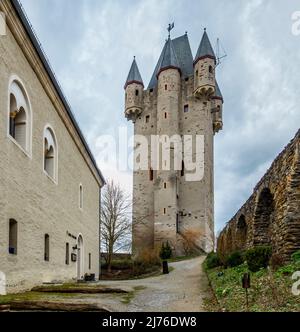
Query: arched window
210, 69
19, 126
50, 153
47, 248
13, 237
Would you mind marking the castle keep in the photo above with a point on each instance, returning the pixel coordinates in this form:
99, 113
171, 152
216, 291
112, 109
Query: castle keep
183, 98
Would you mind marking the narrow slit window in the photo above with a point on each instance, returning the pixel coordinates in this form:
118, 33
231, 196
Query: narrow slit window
165, 211
182, 169
151, 174
186, 108
147, 118
47, 248
136, 92
13, 237
165, 185
166, 115
90, 261
67, 253
80, 197
166, 87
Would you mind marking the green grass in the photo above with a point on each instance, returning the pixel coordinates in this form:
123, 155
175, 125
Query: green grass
34, 296
269, 292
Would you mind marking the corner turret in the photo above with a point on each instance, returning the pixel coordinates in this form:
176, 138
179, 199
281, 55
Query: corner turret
217, 109
134, 88
204, 69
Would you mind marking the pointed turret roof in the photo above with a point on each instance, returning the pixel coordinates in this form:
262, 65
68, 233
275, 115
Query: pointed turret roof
184, 56
205, 49
134, 75
169, 58
218, 94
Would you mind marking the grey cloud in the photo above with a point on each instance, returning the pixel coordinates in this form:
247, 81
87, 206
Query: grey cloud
91, 45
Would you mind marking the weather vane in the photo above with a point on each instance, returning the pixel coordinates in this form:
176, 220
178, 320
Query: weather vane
170, 28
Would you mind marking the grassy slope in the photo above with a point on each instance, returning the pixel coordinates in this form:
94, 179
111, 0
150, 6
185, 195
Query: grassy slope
270, 291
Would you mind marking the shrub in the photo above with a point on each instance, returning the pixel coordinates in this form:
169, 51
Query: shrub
235, 259
165, 251
189, 241
258, 258
147, 261
148, 257
276, 261
296, 256
212, 261
119, 264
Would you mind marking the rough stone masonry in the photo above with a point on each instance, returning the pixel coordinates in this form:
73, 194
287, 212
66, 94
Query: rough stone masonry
183, 98
271, 216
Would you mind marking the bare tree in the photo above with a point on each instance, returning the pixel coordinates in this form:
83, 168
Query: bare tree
116, 222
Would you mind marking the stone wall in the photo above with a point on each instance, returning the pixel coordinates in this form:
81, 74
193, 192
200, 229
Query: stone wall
271, 216
39, 205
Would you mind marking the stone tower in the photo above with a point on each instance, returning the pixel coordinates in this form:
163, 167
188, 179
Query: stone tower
182, 102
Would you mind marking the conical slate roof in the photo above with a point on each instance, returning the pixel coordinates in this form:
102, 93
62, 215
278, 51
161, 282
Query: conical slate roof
134, 75
184, 57
169, 58
205, 49
218, 93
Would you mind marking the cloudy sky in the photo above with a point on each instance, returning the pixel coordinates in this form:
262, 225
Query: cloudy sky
91, 43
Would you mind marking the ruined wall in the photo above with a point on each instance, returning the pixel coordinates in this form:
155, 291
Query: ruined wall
271, 216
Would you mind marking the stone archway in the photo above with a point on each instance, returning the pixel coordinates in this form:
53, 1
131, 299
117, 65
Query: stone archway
241, 232
263, 218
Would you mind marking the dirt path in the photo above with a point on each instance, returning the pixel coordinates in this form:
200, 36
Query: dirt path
183, 290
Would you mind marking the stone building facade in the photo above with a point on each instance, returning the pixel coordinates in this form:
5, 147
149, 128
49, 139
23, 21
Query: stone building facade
271, 216
182, 99
49, 180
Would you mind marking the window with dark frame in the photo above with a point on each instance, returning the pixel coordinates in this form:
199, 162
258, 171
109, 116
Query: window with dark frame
182, 169
67, 253
151, 174
13, 237
47, 248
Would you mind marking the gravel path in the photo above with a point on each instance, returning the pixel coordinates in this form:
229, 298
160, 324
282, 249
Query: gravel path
183, 290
